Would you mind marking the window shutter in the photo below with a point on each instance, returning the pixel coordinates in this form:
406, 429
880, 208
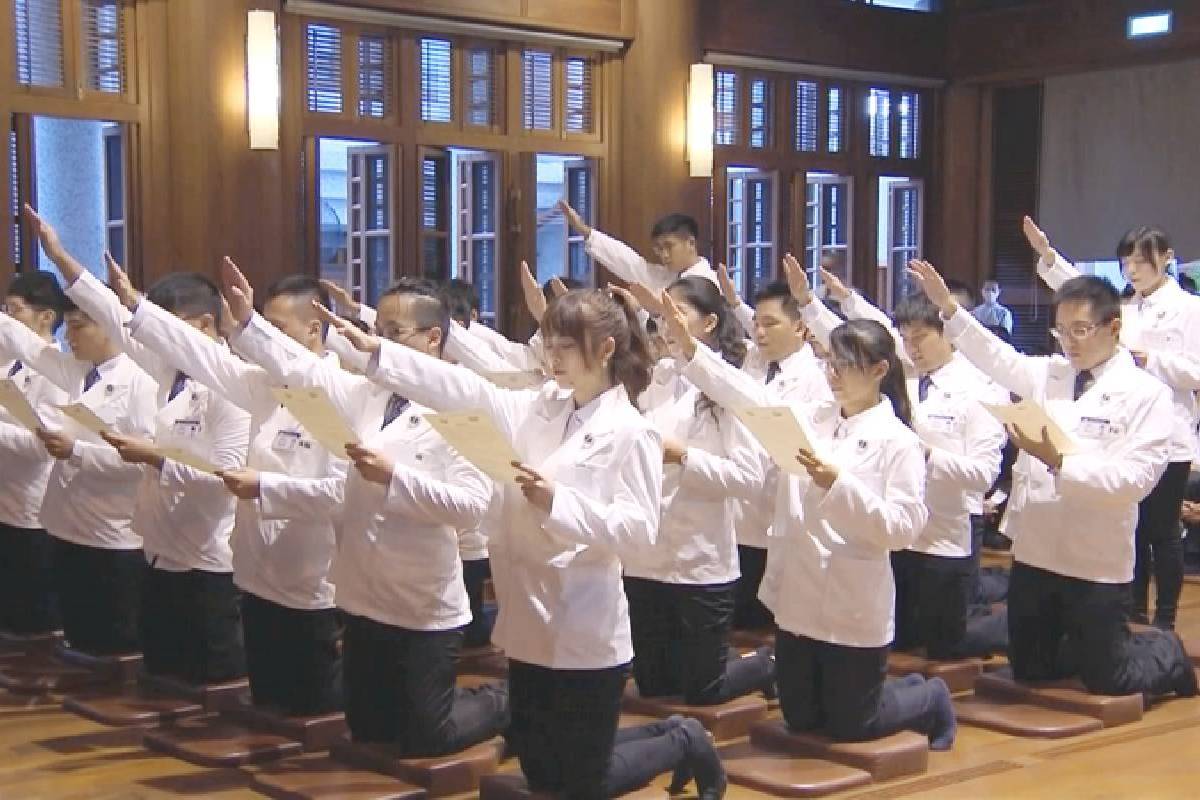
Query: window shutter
435, 215
580, 197
375, 90
725, 105
14, 187
760, 113
39, 43
537, 90
481, 87
437, 80
835, 132
580, 95
909, 111
323, 68
879, 113
103, 45
806, 116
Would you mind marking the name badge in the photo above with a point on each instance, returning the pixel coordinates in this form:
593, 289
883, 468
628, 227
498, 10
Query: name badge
1096, 427
941, 423
286, 441
187, 428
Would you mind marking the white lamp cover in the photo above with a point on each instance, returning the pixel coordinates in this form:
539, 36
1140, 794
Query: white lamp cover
700, 121
262, 80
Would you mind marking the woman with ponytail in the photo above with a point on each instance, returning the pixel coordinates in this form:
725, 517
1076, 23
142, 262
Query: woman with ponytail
681, 595
588, 500
858, 495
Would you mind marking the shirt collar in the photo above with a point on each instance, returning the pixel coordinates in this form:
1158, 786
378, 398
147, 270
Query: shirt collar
1163, 295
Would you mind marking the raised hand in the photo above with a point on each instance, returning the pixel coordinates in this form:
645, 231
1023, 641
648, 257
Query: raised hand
373, 465
362, 341
46, 234
834, 286
797, 280
647, 299
121, 285
537, 490
344, 301
1038, 239
557, 287
728, 287
677, 332
239, 294
242, 483
577, 223
535, 301
934, 286
631, 302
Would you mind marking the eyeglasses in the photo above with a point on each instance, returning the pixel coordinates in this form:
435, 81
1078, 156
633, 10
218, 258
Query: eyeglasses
398, 332
1076, 332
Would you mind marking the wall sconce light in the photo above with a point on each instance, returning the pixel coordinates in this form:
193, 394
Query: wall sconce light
262, 80
700, 121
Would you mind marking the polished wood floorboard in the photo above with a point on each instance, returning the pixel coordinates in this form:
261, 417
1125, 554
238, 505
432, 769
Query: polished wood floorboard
49, 754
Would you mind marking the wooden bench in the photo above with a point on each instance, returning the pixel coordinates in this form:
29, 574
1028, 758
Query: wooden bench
725, 721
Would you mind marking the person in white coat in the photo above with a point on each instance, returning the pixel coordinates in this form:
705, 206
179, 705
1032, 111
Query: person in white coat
589, 500
28, 605
1161, 326
91, 492
828, 579
681, 596
674, 239
290, 490
1073, 513
397, 571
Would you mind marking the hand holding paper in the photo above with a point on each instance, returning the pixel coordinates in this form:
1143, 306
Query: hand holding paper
782, 435
317, 414
85, 418
14, 400
1029, 419
478, 440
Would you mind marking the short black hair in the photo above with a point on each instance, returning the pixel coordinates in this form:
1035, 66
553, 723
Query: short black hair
571, 284
779, 290
299, 286
1146, 241
676, 224
1096, 292
461, 299
918, 309
429, 304
40, 290
187, 294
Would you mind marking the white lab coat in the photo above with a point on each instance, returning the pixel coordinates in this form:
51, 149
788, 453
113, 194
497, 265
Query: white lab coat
624, 262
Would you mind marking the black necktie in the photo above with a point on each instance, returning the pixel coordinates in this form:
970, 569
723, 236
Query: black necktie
92, 378
395, 407
16, 367
1082, 381
772, 371
923, 385
177, 386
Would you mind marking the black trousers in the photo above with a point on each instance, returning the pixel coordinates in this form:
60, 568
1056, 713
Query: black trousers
564, 732
99, 592
680, 643
1059, 627
1159, 543
28, 604
191, 626
292, 657
400, 690
932, 600
843, 691
749, 613
478, 631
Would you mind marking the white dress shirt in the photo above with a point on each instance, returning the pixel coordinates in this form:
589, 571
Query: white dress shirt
1079, 521
624, 262
90, 496
283, 542
184, 516
1166, 326
723, 466
26, 462
397, 560
557, 575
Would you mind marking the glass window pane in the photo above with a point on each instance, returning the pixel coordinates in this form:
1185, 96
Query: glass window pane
437, 88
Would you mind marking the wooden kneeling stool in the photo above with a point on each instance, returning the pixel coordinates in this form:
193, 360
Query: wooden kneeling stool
512, 786
212, 696
729, 720
41, 671
959, 674
439, 776
131, 706
320, 777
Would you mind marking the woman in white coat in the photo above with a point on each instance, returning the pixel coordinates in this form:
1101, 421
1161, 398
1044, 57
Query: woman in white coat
589, 500
828, 578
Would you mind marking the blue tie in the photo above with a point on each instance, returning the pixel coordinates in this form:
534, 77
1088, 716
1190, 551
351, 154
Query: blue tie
1083, 382
923, 388
93, 377
772, 371
395, 407
177, 386
16, 367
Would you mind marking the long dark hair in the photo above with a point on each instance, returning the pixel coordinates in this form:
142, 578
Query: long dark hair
727, 338
588, 317
863, 342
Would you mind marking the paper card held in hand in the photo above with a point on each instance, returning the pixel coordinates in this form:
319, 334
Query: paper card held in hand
478, 440
313, 408
181, 456
85, 418
15, 402
780, 433
1029, 418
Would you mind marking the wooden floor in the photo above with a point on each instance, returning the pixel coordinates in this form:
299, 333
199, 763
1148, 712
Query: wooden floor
47, 753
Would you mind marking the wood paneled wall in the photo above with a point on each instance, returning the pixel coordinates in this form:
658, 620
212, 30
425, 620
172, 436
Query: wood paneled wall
598, 17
